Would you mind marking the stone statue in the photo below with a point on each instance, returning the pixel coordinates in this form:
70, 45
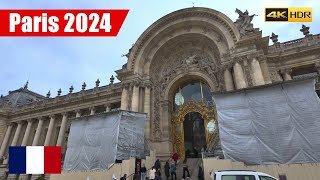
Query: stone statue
244, 22
128, 54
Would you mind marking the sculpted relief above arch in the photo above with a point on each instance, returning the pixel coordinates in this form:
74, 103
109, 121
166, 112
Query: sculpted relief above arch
194, 57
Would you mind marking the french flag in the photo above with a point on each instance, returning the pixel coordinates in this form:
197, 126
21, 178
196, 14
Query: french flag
35, 160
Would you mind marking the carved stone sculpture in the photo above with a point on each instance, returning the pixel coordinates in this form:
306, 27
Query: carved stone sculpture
243, 22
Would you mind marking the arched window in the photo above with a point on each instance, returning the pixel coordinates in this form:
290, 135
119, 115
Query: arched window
192, 90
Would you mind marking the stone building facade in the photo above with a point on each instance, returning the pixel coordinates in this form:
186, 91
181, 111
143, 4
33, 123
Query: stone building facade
186, 46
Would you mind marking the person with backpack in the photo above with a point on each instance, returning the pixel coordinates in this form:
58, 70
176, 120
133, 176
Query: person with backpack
173, 171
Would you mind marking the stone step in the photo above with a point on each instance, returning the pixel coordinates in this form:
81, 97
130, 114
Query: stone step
193, 166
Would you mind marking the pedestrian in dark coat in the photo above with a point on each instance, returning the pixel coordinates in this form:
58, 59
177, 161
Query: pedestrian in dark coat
200, 173
157, 164
167, 170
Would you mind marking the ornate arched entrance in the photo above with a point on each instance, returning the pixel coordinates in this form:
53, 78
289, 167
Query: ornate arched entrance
192, 102
189, 44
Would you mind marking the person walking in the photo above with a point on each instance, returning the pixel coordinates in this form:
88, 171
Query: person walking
157, 164
185, 169
173, 171
166, 170
143, 171
152, 173
200, 173
175, 157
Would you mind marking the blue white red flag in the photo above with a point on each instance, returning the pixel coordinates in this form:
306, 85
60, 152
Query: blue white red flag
34, 160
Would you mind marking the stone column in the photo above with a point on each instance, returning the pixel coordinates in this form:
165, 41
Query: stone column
17, 134
62, 129
265, 72
257, 72
15, 138
107, 106
124, 98
135, 98
92, 110
5, 140
78, 113
165, 118
239, 76
50, 129
38, 132
228, 80
27, 133
146, 108
286, 74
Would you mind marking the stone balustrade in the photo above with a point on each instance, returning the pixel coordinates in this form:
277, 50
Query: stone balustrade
302, 42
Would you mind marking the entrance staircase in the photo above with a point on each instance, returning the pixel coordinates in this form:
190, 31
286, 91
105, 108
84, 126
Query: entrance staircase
193, 166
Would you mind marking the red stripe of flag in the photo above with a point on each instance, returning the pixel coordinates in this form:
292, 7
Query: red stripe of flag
52, 160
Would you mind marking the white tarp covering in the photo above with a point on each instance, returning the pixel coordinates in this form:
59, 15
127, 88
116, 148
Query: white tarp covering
275, 124
97, 141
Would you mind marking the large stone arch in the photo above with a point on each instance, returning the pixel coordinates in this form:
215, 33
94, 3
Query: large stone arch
192, 43
211, 23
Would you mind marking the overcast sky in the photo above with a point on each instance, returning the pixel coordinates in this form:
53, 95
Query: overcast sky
53, 63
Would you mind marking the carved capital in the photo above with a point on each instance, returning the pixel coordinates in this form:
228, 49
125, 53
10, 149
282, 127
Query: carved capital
125, 85
284, 71
136, 83
30, 120
93, 108
239, 59
21, 122
53, 116
252, 56
146, 84
65, 114
41, 118
12, 124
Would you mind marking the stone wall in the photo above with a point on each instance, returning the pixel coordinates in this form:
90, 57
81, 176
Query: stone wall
126, 167
308, 171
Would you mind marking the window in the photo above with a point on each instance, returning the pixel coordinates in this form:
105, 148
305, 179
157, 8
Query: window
238, 177
266, 178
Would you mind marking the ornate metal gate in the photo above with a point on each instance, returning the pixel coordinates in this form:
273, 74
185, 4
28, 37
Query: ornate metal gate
208, 115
